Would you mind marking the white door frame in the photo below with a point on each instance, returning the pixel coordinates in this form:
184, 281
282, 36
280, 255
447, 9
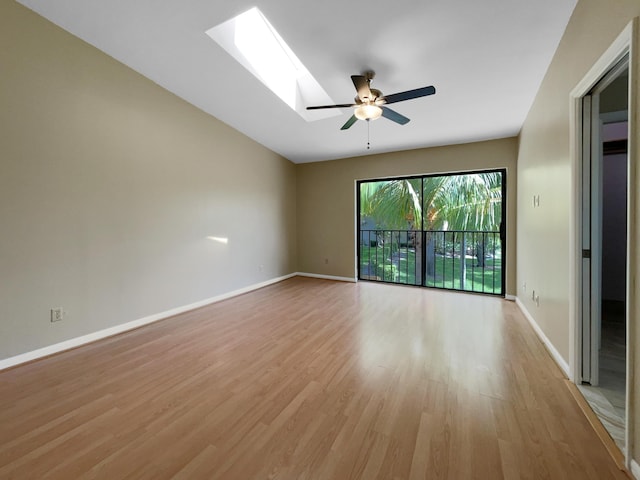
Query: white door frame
626, 43
591, 225
592, 171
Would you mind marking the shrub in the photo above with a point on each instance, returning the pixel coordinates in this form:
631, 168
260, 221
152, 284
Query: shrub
387, 272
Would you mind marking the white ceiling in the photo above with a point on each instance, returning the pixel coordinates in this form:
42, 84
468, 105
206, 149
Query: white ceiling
486, 59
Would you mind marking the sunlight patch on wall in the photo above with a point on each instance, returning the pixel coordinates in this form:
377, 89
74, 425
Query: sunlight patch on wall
223, 240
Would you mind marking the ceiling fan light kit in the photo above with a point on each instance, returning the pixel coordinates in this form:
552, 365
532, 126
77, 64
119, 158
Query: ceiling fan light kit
368, 112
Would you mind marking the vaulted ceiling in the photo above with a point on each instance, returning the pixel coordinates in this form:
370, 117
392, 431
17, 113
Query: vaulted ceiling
486, 59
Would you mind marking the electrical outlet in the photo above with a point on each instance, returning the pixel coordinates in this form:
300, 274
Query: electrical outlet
524, 286
57, 314
537, 299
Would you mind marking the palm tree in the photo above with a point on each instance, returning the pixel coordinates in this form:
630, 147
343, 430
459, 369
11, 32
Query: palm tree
453, 202
471, 202
468, 202
394, 204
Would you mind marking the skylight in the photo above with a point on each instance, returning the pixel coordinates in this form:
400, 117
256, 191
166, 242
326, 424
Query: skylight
254, 43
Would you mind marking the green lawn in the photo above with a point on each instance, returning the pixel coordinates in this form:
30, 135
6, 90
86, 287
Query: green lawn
401, 268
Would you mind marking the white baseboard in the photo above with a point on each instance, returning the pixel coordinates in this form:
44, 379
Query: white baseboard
108, 332
327, 277
511, 298
564, 366
635, 469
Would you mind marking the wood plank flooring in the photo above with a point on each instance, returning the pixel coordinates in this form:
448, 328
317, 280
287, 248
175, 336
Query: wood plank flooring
305, 379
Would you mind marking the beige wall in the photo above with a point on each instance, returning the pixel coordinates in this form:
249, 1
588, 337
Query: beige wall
544, 168
109, 187
327, 199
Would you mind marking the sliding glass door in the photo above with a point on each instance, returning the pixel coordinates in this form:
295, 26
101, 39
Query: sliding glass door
442, 231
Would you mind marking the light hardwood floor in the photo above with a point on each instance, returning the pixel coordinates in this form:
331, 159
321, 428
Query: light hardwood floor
305, 379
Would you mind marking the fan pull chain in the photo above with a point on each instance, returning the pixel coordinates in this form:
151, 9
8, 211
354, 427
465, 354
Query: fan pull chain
368, 136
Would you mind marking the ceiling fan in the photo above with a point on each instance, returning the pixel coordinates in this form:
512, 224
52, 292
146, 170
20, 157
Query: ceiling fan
370, 102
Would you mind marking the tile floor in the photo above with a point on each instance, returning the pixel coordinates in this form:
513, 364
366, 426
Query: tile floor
608, 399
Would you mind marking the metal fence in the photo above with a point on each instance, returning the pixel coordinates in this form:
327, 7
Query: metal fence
450, 259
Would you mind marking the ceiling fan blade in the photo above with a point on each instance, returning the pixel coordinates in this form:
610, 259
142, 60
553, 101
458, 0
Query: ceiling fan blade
409, 94
394, 116
342, 105
362, 86
350, 122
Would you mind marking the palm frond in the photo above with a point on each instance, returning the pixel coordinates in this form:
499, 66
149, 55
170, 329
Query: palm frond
455, 202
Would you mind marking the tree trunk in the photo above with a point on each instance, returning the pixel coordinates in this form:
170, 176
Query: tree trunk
463, 260
431, 255
480, 252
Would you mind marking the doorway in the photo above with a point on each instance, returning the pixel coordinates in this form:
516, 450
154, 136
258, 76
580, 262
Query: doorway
605, 256
443, 231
